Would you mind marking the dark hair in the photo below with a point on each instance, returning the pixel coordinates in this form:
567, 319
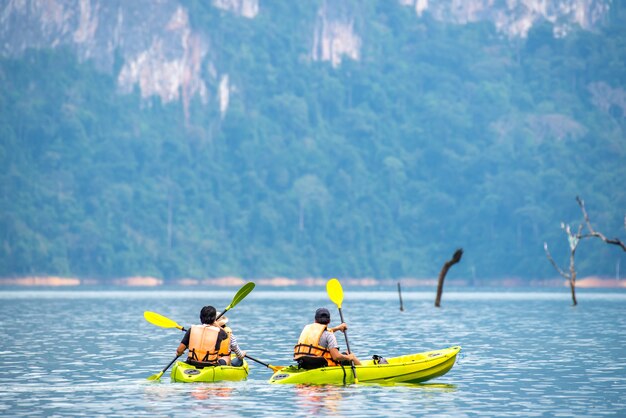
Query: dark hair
322, 316
207, 315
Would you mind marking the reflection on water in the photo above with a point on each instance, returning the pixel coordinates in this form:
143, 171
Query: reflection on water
210, 392
524, 354
318, 400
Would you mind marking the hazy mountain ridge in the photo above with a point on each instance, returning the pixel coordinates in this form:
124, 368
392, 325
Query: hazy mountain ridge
303, 139
163, 55
159, 51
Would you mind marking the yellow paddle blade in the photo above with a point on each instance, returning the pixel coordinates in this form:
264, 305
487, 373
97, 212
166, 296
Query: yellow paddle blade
156, 376
240, 295
160, 321
335, 292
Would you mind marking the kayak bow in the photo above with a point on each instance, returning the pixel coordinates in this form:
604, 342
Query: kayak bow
412, 368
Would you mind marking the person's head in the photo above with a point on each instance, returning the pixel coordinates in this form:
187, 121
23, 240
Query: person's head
207, 315
322, 316
222, 321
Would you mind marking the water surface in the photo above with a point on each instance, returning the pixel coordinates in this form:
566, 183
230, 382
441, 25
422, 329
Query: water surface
88, 352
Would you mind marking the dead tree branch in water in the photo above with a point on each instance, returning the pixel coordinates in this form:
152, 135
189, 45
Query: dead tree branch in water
573, 240
594, 233
442, 275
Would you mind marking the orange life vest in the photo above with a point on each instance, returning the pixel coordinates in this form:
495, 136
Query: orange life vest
309, 343
224, 350
204, 343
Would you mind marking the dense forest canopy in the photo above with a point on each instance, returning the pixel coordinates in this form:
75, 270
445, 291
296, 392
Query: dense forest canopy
439, 136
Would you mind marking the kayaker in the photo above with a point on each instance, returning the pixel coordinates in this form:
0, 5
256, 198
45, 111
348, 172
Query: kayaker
229, 345
203, 341
317, 345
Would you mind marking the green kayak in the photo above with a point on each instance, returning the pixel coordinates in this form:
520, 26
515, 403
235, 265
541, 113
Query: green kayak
183, 372
412, 368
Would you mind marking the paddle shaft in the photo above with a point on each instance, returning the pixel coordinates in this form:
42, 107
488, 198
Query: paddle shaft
258, 361
345, 334
158, 376
239, 296
269, 366
221, 314
169, 365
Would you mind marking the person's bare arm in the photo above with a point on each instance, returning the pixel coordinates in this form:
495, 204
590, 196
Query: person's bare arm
337, 356
181, 349
341, 327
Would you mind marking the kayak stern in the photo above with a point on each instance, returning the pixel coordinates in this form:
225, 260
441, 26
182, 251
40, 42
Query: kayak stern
183, 372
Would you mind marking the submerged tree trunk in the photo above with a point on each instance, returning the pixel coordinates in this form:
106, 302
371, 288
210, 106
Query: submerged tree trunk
400, 295
572, 276
442, 275
574, 239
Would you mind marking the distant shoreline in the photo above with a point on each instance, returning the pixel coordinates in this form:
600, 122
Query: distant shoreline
407, 283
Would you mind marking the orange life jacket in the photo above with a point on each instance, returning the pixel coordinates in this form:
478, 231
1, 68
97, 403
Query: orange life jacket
309, 343
204, 343
224, 350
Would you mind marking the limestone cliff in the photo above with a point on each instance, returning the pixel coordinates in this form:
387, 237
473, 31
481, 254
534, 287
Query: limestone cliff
516, 17
334, 35
152, 44
245, 8
160, 52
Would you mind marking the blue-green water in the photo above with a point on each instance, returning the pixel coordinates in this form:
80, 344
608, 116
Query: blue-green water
87, 353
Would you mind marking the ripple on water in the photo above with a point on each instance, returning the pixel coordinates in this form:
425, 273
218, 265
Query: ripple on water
524, 354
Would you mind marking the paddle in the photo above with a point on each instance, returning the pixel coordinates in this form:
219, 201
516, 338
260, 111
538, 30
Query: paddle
242, 293
269, 366
159, 374
160, 320
335, 293
164, 322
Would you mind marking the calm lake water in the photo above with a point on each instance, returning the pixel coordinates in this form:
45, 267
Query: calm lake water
88, 353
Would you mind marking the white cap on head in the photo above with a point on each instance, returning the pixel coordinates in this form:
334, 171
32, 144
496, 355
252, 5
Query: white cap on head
222, 321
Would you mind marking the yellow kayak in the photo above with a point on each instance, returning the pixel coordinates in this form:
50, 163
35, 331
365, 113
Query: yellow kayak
183, 372
412, 368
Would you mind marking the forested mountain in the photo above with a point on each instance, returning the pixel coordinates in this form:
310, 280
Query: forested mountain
187, 138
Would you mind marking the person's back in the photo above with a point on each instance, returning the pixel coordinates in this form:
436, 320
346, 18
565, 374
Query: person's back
203, 341
317, 345
311, 351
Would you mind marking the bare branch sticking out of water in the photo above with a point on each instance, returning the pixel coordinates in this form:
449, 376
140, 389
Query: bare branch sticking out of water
594, 233
573, 240
442, 275
561, 272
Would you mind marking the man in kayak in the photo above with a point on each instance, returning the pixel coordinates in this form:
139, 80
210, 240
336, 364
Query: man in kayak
317, 345
203, 341
229, 345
